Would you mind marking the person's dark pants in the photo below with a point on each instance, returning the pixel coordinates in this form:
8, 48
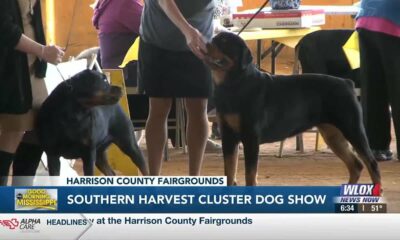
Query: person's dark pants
113, 48
27, 159
380, 86
6, 160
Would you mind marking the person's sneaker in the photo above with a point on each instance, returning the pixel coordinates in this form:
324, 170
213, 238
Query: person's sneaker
389, 154
383, 155
213, 147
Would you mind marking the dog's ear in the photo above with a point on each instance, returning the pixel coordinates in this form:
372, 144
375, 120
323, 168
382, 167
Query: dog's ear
246, 58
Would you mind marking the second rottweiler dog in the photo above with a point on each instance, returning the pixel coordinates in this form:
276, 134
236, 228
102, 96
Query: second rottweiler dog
80, 119
255, 107
321, 52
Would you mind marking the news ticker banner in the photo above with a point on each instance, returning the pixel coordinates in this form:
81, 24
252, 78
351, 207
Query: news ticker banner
127, 181
199, 195
200, 226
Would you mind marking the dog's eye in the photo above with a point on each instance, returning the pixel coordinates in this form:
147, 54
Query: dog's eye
220, 62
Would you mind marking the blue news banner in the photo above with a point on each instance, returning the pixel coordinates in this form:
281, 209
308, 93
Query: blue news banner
168, 199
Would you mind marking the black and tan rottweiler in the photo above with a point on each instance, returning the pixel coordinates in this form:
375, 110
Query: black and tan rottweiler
80, 119
255, 107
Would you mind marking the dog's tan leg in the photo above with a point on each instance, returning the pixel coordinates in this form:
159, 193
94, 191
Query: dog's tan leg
251, 150
251, 178
371, 164
357, 137
340, 146
102, 164
231, 163
230, 147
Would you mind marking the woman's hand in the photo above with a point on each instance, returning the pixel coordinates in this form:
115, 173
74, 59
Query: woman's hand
52, 54
194, 39
195, 42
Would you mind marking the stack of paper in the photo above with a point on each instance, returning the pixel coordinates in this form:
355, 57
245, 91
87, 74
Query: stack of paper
296, 18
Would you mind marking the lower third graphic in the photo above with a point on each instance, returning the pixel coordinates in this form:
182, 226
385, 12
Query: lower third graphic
35, 199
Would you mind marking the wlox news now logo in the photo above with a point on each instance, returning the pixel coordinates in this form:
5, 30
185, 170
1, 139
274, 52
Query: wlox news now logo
360, 193
360, 190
